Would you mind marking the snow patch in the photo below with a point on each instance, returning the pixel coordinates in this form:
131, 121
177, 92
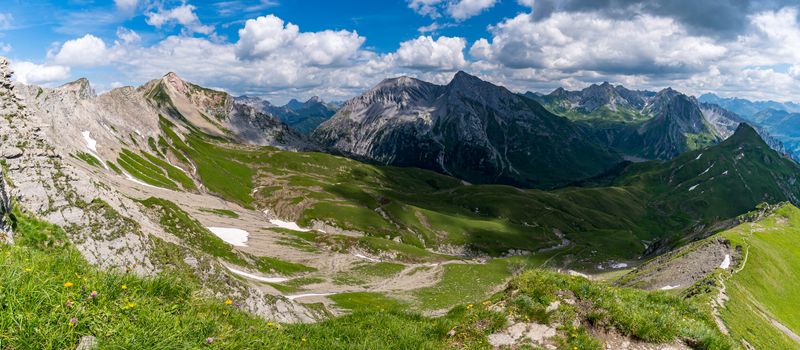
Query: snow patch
90, 142
233, 236
135, 180
576, 273
698, 156
362, 256
289, 225
709, 168
726, 263
693, 187
619, 265
725, 173
258, 278
297, 296
92, 145
668, 287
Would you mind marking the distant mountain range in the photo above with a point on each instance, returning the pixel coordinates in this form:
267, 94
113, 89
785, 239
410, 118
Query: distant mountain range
780, 119
748, 108
303, 117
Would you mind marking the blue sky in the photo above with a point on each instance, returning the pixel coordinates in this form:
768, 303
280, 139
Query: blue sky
282, 49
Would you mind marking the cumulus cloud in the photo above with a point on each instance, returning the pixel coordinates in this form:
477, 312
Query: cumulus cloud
457, 9
464, 9
88, 50
723, 18
585, 41
444, 53
268, 36
183, 15
126, 6
31, 73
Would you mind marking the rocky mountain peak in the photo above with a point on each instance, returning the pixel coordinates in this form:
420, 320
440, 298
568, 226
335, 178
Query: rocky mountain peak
81, 87
175, 82
5, 73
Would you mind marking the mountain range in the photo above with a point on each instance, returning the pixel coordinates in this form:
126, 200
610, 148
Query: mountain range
748, 108
303, 117
213, 217
469, 128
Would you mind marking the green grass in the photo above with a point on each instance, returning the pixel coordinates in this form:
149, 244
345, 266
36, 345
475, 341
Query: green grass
89, 159
769, 284
162, 312
144, 170
177, 222
41, 311
222, 170
463, 283
650, 316
221, 212
113, 167
365, 301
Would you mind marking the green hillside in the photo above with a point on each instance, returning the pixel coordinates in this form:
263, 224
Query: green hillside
649, 202
764, 291
55, 298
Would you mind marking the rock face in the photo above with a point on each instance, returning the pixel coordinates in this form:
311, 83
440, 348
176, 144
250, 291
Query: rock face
677, 125
110, 229
217, 113
468, 128
726, 122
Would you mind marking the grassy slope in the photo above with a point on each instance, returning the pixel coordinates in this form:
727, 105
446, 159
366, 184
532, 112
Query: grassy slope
46, 296
159, 313
769, 284
427, 209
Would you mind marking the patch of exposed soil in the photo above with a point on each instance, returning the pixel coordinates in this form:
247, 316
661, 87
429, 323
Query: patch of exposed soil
683, 267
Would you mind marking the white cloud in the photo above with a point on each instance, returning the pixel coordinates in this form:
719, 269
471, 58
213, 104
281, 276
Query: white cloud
527, 3
269, 35
586, 41
329, 47
481, 49
88, 50
126, 6
444, 53
5, 48
464, 9
128, 36
5, 20
262, 36
458, 9
426, 7
30, 73
183, 15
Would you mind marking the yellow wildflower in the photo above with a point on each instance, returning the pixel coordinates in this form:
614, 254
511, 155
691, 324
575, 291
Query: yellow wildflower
124, 286
28, 269
68, 284
228, 302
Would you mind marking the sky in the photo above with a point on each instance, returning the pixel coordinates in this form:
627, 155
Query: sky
283, 49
